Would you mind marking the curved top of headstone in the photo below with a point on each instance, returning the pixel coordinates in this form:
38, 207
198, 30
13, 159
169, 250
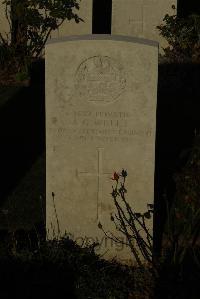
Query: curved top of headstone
122, 38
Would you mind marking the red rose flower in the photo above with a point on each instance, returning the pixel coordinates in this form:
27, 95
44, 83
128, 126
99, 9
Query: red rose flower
115, 177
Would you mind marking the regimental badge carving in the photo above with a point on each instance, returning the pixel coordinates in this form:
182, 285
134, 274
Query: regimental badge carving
100, 80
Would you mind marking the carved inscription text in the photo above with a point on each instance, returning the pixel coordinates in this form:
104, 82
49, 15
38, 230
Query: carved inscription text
94, 126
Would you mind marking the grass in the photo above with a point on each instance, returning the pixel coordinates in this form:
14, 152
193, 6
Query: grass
35, 267
24, 206
60, 268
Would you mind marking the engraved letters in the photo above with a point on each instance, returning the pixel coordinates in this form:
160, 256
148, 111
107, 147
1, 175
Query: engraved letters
109, 126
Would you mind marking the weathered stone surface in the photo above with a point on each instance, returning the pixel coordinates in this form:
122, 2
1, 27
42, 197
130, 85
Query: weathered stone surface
100, 117
140, 17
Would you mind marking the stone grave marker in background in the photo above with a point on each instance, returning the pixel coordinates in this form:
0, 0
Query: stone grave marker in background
140, 17
129, 17
101, 94
137, 18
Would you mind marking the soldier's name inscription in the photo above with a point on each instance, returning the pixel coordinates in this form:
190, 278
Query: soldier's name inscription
110, 126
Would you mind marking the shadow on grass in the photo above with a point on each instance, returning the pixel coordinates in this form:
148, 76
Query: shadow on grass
60, 269
22, 129
178, 109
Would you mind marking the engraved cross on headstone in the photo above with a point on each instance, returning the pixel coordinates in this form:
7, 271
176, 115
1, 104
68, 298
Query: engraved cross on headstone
138, 24
99, 174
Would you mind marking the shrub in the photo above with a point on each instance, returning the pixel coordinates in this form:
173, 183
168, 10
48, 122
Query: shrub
31, 23
6, 53
183, 37
130, 223
180, 253
183, 222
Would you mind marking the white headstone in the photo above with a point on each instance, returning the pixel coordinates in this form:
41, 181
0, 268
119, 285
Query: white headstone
101, 94
140, 17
